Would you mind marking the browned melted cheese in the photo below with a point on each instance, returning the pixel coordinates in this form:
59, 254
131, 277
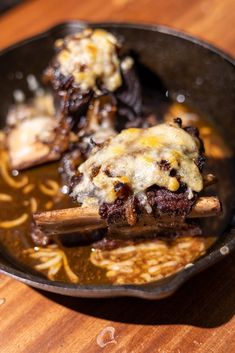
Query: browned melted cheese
134, 157
88, 56
31, 130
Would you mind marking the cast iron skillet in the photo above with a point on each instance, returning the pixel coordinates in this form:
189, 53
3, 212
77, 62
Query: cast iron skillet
184, 65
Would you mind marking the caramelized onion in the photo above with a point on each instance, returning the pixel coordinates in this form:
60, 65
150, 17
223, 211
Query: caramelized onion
48, 205
28, 188
33, 204
17, 184
5, 197
15, 222
52, 190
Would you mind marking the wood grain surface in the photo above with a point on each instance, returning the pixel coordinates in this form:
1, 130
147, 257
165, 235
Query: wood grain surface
200, 316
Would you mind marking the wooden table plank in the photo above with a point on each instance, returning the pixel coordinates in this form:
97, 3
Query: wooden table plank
200, 316
212, 20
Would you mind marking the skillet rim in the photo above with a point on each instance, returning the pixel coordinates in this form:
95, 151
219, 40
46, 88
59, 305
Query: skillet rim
154, 290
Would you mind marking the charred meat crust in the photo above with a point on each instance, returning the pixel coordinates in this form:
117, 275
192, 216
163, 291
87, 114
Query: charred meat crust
171, 203
193, 131
68, 167
68, 98
73, 102
161, 201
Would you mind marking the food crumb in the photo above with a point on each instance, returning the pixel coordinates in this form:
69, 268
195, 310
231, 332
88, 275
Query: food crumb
106, 336
224, 250
2, 301
190, 264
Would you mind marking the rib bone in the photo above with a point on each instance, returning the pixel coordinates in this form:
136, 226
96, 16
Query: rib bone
76, 219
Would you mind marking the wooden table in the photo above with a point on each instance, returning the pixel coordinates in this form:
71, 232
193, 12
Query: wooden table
200, 316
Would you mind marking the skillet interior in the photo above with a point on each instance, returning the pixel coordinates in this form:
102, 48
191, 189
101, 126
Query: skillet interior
183, 65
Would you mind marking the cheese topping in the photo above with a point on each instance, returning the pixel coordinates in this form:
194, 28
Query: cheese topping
31, 131
141, 158
89, 56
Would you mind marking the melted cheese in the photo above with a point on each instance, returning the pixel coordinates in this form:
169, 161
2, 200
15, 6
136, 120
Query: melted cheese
134, 156
29, 141
88, 56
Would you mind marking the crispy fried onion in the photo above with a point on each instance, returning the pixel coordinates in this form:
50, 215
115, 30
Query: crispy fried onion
51, 188
4, 170
5, 197
15, 222
149, 261
51, 258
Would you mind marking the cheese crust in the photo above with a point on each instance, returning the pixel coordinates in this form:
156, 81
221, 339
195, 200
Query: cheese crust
89, 56
135, 158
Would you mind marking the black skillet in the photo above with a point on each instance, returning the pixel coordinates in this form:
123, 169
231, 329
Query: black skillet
180, 64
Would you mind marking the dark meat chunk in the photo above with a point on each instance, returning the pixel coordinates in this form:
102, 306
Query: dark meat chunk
73, 99
192, 130
113, 213
69, 165
68, 98
129, 101
161, 200
97, 128
171, 203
